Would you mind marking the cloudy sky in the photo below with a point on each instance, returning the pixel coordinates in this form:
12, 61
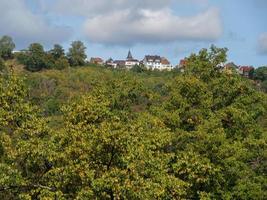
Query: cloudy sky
170, 28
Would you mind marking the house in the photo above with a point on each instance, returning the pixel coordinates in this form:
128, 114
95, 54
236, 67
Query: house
152, 62
119, 63
97, 61
17, 51
111, 63
156, 62
230, 68
165, 64
246, 71
130, 61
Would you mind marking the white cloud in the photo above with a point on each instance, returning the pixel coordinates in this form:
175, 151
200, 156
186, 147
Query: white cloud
129, 26
126, 22
95, 7
18, 21
263, 43
122, 22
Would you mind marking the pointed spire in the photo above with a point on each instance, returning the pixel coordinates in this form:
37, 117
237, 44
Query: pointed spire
129, 57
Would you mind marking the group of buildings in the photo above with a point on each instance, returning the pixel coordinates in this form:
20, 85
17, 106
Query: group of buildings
245, 71
154, 62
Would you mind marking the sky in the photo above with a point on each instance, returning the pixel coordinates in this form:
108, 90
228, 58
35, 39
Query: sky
169, 28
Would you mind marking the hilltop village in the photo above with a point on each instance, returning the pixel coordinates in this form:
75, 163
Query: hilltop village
156, 62
153, 62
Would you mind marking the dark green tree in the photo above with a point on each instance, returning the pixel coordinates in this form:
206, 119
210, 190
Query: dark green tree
57, 51
76, 54
35, 58
6, 47
260, 73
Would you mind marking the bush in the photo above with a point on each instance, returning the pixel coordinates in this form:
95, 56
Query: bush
264, 86
139, 69
61, 63
2, 65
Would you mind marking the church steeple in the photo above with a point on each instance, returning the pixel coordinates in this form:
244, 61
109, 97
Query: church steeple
129, 57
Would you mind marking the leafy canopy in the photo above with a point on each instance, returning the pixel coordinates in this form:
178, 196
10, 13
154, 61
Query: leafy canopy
6, 47
76, 54
127, 135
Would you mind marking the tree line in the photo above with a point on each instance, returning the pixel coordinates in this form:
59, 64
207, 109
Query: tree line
35, 58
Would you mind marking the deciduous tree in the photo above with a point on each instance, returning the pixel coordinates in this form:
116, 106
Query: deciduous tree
6, 47
76, 54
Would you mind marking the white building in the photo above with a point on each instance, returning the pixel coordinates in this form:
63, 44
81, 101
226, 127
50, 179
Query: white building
165, 64
130, 61
156, 62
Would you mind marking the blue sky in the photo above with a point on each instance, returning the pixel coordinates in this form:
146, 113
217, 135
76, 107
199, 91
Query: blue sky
170, 28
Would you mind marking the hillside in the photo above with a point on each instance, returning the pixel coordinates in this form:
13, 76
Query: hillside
96, 133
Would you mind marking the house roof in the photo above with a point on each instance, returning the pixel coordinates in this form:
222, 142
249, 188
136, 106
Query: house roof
119, 62
246, 68
183, 62
153, 58
132, 60
96, 59
230, 65
129, 57
165, 61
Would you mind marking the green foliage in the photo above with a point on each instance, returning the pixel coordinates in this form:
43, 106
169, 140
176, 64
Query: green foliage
76, 54
264, 86
139, 68
2, 65
57, 52
61, 63
127, 135
6, 47
111, 158
207, 63
22, 135
260, 74
34, 58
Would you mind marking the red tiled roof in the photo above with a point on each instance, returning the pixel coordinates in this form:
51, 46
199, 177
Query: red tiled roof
165, 61
183, 62
246, 68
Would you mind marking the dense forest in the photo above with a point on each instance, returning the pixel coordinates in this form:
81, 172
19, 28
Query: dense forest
90, 132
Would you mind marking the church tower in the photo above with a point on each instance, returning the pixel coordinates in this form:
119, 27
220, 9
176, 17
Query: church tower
129, 57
